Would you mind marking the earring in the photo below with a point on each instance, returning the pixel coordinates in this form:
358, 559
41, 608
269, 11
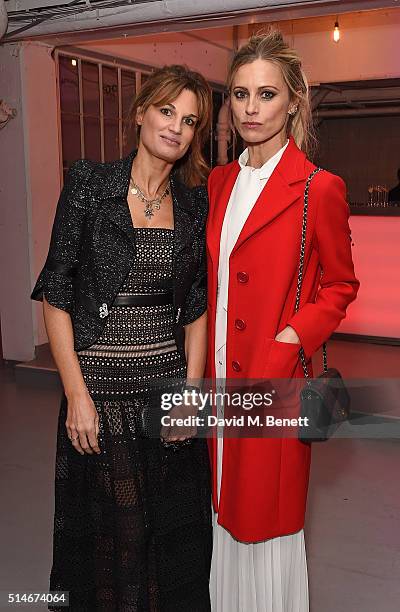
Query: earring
293, 111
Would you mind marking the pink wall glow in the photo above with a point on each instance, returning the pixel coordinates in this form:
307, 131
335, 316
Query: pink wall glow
376, 254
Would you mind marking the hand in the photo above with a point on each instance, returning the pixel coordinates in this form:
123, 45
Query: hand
179, 433
83, 424
288, 335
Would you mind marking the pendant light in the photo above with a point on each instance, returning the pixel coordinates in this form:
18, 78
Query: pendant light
336, 32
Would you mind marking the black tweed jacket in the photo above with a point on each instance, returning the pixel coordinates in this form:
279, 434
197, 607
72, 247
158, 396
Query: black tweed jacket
92, 248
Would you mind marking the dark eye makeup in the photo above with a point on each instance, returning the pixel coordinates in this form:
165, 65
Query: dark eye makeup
265, 94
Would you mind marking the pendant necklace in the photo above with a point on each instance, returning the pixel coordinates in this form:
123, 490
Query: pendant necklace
150, 205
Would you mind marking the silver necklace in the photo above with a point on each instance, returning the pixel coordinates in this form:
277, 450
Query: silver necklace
150, 205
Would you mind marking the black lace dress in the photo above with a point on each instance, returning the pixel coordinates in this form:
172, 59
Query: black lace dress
132, 526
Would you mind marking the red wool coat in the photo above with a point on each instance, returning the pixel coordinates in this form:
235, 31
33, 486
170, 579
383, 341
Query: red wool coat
265, 481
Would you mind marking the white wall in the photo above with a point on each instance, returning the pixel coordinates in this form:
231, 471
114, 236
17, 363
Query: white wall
15, 256
42, 148
30, 185
208, 51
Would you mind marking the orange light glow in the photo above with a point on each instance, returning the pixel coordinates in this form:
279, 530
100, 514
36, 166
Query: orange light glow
336, 32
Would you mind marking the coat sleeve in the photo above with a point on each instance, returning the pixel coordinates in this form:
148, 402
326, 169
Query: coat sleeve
196, 300
55, 279
315, 322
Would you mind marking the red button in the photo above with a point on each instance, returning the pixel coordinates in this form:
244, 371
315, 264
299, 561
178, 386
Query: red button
240, 324
242, 277
236, 366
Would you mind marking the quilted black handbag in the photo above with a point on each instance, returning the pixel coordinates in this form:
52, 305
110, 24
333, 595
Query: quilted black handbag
324, 400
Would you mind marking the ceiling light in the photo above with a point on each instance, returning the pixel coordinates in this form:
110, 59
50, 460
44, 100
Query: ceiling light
336, 32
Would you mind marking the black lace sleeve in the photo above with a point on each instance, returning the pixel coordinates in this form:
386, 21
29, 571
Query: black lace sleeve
55, 279
196, 300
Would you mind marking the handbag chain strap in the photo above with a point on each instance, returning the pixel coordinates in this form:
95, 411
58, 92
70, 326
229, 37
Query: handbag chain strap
300, 274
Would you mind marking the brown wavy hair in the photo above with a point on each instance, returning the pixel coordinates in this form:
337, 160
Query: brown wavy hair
163, 86
269, 45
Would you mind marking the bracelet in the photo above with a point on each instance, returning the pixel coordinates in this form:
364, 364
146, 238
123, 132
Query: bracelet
192, 388
191, 393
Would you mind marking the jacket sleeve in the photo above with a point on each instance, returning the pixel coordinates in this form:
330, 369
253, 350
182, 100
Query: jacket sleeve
55, 279
315, 322
196, 300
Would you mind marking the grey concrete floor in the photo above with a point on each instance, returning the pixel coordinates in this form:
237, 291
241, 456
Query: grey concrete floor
352, 523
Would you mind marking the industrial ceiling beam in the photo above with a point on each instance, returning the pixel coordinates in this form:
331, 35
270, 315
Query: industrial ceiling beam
139, 18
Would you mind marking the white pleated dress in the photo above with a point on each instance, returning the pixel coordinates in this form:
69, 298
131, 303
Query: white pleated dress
269, 576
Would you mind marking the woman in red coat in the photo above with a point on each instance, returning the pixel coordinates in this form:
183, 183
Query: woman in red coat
253, 239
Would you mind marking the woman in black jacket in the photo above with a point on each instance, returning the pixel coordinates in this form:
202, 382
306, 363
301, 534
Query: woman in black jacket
124, 299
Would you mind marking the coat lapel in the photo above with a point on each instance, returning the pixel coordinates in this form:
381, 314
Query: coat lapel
118, 212
218, 206
114, 193
183, 223
280, 192
183, 219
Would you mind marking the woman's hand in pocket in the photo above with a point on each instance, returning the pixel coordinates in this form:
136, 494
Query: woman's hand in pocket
83, 423
283, 355
288, 335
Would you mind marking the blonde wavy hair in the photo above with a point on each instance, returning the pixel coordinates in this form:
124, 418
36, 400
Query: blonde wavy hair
269, 45
162, 87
